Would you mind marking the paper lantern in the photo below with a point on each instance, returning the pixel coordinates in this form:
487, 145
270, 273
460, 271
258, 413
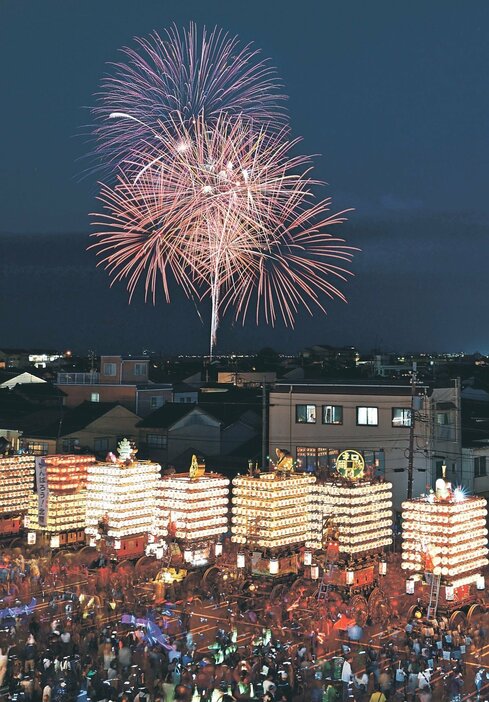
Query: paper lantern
273, 566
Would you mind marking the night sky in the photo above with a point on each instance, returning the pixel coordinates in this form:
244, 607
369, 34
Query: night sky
393, 95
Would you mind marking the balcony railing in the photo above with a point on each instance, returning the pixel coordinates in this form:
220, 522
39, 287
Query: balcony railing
92, 378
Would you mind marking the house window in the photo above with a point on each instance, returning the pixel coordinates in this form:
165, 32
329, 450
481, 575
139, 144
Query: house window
305, 414
156, 401
311, 460
140, 369
480, 470
95, 397
445, 430
38, 448
70, 445
109, 369
401, 417
101, 444
332, 414
368, 416
156, 441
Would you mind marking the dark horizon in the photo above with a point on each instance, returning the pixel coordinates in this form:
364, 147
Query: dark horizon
393, 97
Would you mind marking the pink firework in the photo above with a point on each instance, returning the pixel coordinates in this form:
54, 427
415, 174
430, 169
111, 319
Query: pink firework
182, 76
227, 211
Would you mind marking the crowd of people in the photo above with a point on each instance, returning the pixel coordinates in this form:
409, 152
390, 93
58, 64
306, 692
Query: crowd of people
77, 645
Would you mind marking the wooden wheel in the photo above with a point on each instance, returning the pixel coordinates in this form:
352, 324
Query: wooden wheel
475, 611
359, 609
278, 592
211, 575
456, 618
378, 606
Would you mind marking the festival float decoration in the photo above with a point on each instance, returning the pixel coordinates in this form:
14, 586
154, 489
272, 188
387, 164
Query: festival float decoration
16, 485
444, 548
351, 527
271, 516
195, 505
122, 502
57, 510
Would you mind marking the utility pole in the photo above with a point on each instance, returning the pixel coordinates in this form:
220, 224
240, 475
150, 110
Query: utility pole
264, 426
411, 436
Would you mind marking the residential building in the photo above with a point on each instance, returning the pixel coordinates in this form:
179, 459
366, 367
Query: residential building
122, 379
315, 421
475, 441
213, 430
92, 427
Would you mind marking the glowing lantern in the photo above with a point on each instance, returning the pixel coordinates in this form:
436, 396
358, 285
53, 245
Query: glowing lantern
218, 549
314, 572
273, 566
240, 560
409, 587
382, 568
307, 558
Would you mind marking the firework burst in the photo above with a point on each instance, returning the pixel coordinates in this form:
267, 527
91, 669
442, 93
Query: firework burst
229, 213
179, 77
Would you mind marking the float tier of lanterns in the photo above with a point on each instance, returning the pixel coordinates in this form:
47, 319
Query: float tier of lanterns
272, 512
16, 483
67, 495
197, 504
125, 493
360, 514
445, 532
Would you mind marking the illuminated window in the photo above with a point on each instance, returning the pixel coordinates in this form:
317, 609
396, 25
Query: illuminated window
38, 448
401, 417
95, 397
332, 414
305, 414
140, 369
311, 460
109, 369
368, 416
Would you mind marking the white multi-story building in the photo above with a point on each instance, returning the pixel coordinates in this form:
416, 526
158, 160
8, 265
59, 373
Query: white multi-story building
317, 420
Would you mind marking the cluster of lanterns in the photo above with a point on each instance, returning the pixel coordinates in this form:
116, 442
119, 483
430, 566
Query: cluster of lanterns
361, 513
197, 507
67, 495
445, 534
272, 512
16, 483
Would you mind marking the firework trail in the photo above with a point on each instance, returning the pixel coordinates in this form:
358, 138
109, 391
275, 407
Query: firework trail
227, 212
179, 77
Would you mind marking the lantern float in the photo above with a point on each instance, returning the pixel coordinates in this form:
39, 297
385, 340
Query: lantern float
445, 540
122, 501
197, 505
57, 510
353, 522
16, 485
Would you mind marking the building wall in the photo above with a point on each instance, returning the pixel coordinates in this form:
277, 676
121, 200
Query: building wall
285, 432
117, 424
76, 394
197, 431
473, 457
145, 402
